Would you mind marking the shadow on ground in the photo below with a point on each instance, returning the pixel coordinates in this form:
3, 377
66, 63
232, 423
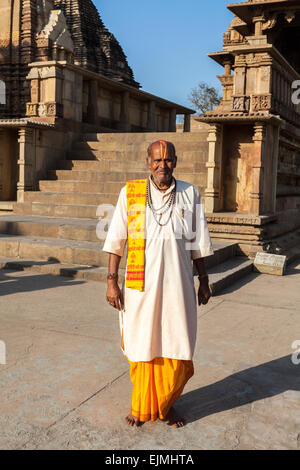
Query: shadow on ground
237, 284
244, 387
10, 284
293, 269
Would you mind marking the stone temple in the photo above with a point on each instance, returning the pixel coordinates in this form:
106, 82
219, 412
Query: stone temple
75, 125
30, 32
63, 73
253, 165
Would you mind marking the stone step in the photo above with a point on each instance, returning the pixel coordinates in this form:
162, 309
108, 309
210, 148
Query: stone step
74, 198
6, 206
70, 198
222, 251
59, 250
63, 250
134, 137
103, 165
82, 230
51, 227
220, 277
122, 166
80, 187
225, 274
75, 271
96, 176
56, 210
117, 176
90, 150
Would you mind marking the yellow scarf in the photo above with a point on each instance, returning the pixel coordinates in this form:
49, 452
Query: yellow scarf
136, 214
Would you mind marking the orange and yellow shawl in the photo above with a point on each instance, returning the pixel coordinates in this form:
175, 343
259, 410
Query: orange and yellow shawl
136, 192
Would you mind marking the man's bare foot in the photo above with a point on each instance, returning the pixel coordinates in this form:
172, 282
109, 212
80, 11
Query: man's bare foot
173, 419
133, 421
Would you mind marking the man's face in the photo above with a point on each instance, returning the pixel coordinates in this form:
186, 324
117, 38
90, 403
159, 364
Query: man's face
162, 162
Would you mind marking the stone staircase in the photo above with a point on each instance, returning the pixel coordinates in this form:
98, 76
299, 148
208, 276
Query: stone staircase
54, 229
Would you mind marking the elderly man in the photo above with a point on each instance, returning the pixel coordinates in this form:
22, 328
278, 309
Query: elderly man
162, 220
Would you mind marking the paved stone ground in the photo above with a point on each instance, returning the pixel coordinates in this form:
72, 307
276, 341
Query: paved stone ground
66, 384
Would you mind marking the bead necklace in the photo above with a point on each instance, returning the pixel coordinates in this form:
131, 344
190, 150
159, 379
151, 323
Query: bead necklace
167, 205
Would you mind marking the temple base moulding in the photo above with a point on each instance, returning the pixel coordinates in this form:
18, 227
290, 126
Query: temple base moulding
255, 233
240, 218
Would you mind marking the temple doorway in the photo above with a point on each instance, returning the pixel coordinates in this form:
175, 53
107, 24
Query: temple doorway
8, 165
237, 169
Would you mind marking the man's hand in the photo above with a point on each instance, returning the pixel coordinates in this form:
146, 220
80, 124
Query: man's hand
204, 293
114, 295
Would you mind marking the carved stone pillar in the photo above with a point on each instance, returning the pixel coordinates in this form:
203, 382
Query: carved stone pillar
26, 162
240, 102
55, 52
27, 24
172, 120
92, 109
54, 78
50, 80
32, 106
240, 81
28, 21
151, 116
275, 157
227, 68
35, 91
227, 82
256, 193
124, 124
187, 123
213, 190
258, 22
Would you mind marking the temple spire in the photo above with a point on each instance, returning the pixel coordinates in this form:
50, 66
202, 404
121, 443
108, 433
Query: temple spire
95, 47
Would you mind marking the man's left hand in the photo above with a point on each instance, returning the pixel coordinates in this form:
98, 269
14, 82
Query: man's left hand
204, 293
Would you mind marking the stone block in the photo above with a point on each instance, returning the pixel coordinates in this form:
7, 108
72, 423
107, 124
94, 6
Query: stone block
267, 263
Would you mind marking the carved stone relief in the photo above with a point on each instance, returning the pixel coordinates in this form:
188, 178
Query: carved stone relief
261, 102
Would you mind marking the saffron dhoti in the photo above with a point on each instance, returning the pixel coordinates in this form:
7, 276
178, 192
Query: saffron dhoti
157, 385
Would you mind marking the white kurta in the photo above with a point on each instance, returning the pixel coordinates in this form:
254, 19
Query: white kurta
161, 321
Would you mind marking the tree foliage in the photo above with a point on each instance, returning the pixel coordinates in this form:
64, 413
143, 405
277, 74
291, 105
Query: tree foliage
204, 98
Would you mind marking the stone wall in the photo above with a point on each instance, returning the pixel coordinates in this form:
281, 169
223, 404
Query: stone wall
67, 95
288, 181
27, 151
50, 146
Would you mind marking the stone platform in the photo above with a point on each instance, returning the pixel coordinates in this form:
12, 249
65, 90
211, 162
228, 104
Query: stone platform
86, 260
66, 383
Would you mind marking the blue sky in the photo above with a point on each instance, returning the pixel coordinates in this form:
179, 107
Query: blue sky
167, 41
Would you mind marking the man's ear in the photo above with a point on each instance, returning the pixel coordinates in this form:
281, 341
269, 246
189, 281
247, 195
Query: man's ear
175, 164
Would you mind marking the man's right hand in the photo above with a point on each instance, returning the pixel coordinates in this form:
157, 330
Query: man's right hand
114, 295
